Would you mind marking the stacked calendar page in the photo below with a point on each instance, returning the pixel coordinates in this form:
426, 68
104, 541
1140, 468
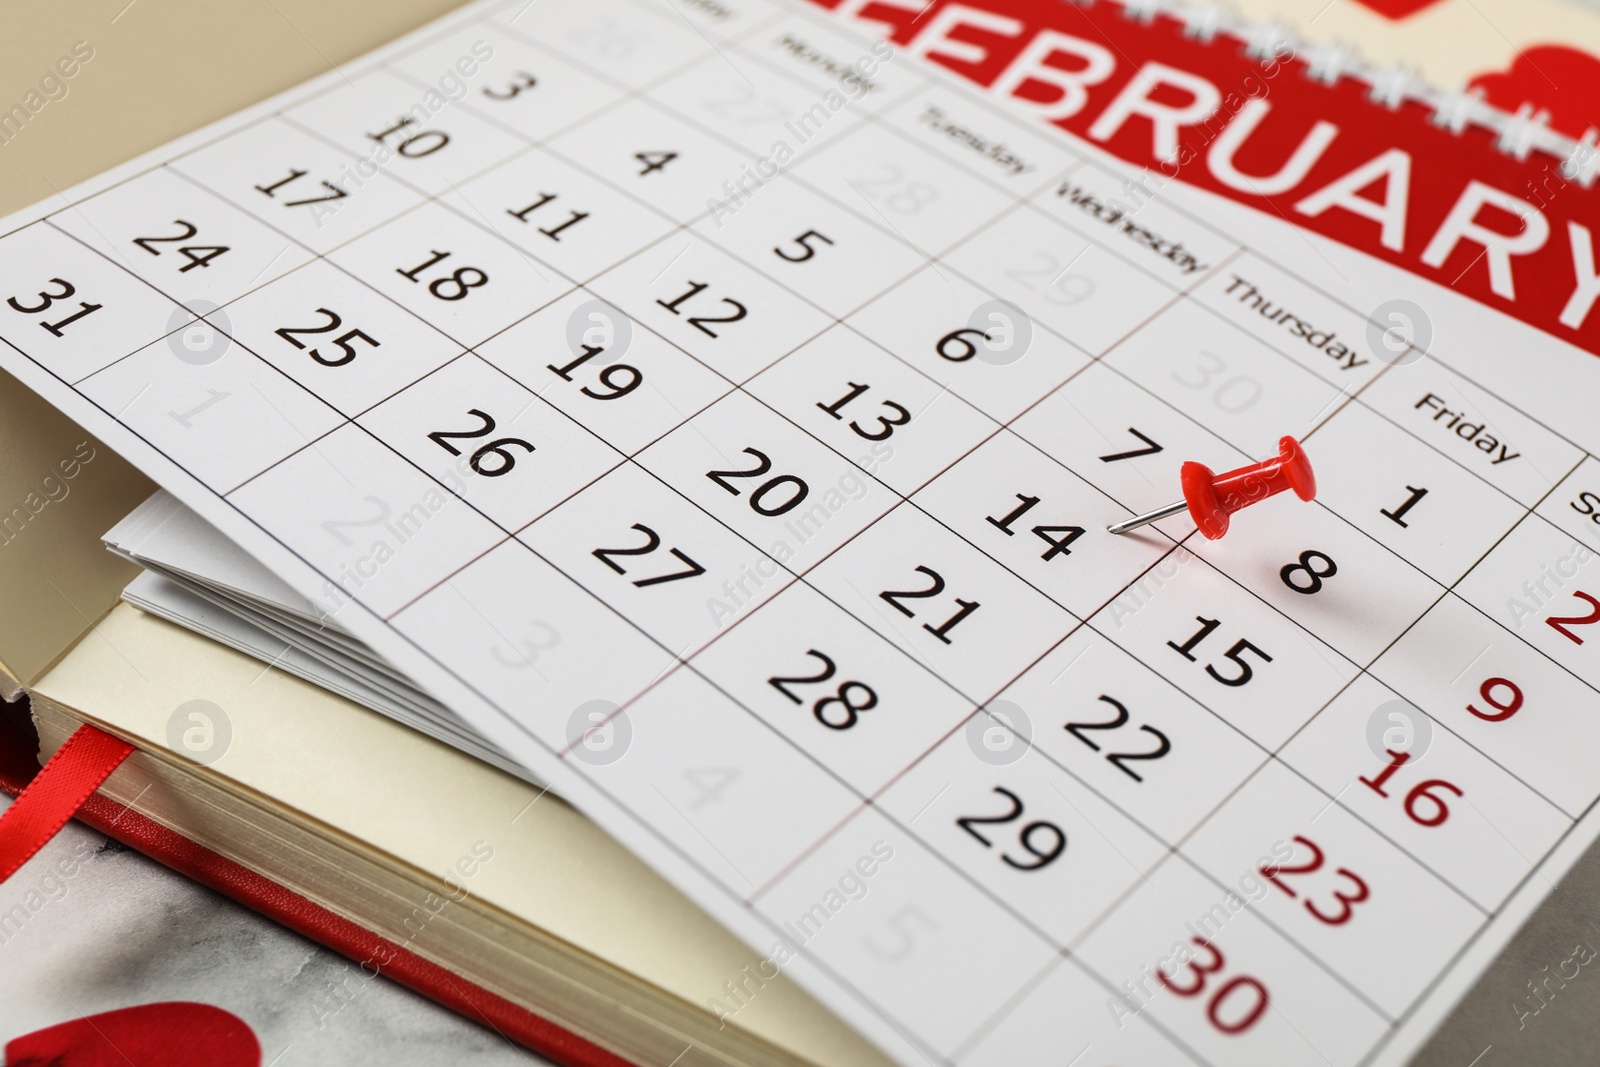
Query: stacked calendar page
719, 409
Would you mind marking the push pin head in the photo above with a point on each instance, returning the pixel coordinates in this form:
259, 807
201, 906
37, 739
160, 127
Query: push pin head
1210, 498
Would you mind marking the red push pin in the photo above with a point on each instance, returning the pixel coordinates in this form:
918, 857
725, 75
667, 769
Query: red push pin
1211, 498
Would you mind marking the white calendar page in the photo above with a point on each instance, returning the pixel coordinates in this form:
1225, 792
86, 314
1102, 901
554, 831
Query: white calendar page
765, 519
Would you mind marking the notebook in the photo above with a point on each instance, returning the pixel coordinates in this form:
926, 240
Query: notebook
720, 408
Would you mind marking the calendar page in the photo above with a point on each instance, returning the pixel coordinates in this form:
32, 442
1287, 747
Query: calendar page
722, 410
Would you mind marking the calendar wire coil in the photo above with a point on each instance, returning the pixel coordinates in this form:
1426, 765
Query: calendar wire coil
1518, 134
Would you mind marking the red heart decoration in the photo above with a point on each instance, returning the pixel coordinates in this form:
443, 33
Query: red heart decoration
1555, 78
169, 1034
1397, 9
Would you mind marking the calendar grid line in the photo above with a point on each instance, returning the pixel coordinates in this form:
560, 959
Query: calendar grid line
69, 205
1451, 593
1065, 947
1444, 972
514, 721
687, 661
1175, 850
934, 76
466, 349
1177, 1040
1352, 398
1289, 272
424, 35
1171, 849
772, 924
1365, 670
1213, 311
45, 223
1349, 399
1070, 950
1108, 350
978, 430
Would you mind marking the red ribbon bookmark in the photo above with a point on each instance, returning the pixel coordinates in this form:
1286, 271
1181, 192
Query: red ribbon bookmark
56, 793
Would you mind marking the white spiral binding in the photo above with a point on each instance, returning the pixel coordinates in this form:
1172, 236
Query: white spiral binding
1519, 134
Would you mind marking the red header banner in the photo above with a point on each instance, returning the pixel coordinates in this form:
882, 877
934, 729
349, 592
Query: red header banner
1255, 125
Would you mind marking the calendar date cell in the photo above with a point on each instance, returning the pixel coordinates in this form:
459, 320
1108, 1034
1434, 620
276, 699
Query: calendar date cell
411, 132
460, 278
337, 337
1064, 281
1209, 369
1130, 735
1029, 832
559, 214
1190, 952
507, 80
1225, 648
841, 693
937, 604
710, 305
490, 442
72, 311
1040, 521
1118, 437
1544, 586
777, 487
540, 646
931, 203
753, 107
685, 746
656, 157
810, 244
185, 241
623, 382
1430, 511
299, 184
380, 531
984, 351
1324, 574
853, 396
192, 410
1343, 892
908, 915
655, 558
1427, 790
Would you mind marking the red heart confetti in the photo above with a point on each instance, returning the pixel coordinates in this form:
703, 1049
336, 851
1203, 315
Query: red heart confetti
168, 1034
1398, 10
1562, 80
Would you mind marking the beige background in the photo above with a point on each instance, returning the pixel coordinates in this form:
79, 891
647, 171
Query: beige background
161, 68
1446, 43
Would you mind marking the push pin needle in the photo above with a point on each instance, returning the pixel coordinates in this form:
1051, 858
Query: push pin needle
1210, 498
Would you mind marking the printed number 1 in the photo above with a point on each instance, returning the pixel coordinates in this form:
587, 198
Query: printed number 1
1398, 515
